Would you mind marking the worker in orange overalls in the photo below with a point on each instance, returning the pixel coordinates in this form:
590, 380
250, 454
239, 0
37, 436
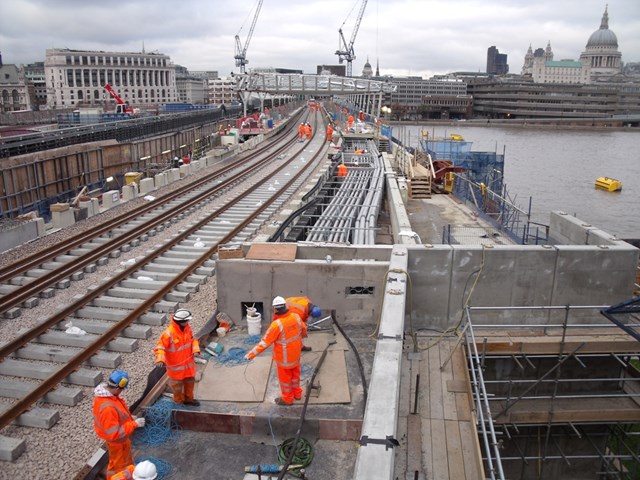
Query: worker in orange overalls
307, 131
113, 421
329, 132
303, 307
342, 170
350, 121
300, 132
176, 349
285, 333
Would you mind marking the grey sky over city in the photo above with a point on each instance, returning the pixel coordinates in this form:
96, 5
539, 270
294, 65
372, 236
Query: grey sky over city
406, 37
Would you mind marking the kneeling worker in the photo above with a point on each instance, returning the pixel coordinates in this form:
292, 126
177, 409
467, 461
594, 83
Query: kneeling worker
176, 349
305, 309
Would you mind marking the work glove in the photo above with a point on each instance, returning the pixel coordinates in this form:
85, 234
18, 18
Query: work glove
161, 364
248, 358
141, 422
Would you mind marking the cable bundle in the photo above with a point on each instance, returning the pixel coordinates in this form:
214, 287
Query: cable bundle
234, 356
158, 429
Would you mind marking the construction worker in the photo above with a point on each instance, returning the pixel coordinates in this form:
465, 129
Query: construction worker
113, 421
301, 129
285, 332
175, 350
305, 309
342, 170
350, 122
329, 132
307, 131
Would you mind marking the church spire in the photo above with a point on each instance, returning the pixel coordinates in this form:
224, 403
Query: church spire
604, 24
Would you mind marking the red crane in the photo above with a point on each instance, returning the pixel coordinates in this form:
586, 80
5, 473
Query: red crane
122, 106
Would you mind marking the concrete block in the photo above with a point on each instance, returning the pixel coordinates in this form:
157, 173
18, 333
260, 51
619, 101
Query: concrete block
147, 185
185, 171
11, 448
36, 417
63, 219
89, 206
160, 180
77, 276
48, 293
111, 199
62, 284
129, 192
59, 396
31, 302
12, 313
92, 267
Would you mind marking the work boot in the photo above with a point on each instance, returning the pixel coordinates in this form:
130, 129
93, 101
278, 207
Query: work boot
193, 403
306, 349
280, 401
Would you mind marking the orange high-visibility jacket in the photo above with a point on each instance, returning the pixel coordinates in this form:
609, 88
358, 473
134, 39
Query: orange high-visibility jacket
301, 130
342, 170
300, 305
126, 474
176, 349
286, 333
112, 419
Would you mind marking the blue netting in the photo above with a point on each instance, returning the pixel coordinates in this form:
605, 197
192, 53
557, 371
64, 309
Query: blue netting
159, 429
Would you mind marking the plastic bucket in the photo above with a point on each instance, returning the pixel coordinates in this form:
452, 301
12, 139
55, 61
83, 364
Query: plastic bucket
254, 324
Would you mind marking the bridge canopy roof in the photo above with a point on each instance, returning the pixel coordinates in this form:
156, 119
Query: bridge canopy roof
302, 84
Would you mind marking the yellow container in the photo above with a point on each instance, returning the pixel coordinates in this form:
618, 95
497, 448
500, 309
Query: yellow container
131, 177
448, 182
609, 184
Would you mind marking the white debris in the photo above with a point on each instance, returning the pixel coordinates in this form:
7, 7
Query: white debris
145, 279
149, 198
199, 243
71, 330
128, 263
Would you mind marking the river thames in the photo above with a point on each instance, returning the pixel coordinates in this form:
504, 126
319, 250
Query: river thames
558, 168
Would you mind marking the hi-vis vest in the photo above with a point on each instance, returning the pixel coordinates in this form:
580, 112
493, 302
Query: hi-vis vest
176, 349
112, 420
285, 333
299, 305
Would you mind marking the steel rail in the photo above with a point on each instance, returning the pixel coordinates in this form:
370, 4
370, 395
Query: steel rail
25, 403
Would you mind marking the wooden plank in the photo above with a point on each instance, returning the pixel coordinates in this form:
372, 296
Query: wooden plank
272, 251
446, 375
436, 408
471, 453
427, 447
414, 444
552, 347
464, 399
455, 458
439, 451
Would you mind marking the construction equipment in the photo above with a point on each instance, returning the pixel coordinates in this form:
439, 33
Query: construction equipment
347, 53
121, 106
241, 51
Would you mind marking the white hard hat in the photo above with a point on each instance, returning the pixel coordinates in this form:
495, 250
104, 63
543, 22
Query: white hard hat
278, 302
182, 315
145, 470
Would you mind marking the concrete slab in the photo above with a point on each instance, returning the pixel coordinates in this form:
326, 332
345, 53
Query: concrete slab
11, 448
48, 353
36, 417
17, 368
59, 396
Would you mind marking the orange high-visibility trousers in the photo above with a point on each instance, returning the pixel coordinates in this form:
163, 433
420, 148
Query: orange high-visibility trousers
290, 383
119, 457
182, 389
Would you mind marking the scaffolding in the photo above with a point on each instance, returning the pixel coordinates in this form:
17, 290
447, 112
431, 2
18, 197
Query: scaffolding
557, 394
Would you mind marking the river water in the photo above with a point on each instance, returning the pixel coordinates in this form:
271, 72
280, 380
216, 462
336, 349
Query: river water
558, 168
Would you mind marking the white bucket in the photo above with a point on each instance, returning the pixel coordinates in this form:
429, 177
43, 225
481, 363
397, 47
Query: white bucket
254, 324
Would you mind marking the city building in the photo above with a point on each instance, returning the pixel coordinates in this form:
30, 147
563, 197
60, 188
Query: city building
496, 62
367, 71
77, 78
14, 92
221, 91
601, 54
34, 75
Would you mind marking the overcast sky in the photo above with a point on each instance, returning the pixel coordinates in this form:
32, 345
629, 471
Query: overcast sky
407, 37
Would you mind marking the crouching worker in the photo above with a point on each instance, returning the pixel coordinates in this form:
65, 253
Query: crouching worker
285, 333
113, 421
175, 350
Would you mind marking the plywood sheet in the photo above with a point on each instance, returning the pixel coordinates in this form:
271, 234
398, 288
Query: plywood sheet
319, 340
241, 383
272, 251
332, 377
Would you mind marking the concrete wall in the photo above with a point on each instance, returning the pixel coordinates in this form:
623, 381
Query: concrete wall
443, 278
20, 233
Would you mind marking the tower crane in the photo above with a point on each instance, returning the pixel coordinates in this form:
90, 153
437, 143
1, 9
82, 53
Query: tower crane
346, 52
241, 51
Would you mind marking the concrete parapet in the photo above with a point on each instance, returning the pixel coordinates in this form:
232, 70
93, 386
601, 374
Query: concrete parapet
147, 185
111, 199
185, 170
63, 219
90, 206
22, 233
129, 192
565, 229
160, 179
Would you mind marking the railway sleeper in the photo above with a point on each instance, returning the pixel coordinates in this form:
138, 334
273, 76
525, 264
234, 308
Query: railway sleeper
131, 303
161, 276
83, 377
98, 327
114, 314
58, 396
37, 417
119, 344
56, 353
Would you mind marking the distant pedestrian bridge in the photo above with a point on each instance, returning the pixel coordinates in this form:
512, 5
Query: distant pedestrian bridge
302, 84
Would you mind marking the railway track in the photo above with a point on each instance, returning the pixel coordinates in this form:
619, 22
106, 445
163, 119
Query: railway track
120, 312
